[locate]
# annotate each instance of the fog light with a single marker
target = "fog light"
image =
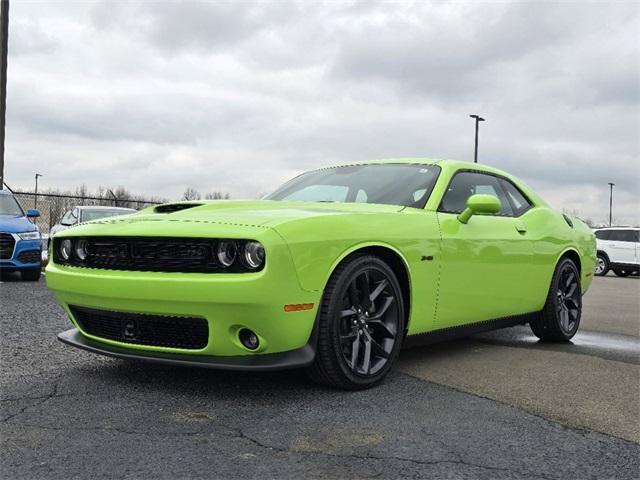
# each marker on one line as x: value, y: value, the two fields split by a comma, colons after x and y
x: 248, y: 339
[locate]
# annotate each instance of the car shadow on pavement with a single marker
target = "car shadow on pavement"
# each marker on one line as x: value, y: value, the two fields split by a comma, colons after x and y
x: 200, y: 381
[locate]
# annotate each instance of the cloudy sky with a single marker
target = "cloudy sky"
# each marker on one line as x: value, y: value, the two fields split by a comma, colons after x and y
x: 238, y: 96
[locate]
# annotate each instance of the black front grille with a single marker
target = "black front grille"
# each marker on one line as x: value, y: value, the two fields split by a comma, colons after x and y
x: 142, y: 329
x: 30, y: 256
x: 146, y: 254
x: 7, y: 243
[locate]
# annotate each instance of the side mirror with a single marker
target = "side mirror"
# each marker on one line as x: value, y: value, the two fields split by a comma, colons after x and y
x: 480, y: 204
x: 33, y: 213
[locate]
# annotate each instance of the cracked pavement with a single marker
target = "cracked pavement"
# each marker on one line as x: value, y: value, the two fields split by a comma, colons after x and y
x: 70, y: 414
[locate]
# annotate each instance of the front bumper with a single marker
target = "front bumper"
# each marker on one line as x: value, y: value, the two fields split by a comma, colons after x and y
x: 301, y: 357
x: 227, y: 301
x: 27, y: 254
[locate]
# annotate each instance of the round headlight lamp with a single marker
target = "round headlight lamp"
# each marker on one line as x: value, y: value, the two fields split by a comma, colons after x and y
x: 227, y: 252
x: 253, y: 255
x: 81, y: 249
x: 65, y: 249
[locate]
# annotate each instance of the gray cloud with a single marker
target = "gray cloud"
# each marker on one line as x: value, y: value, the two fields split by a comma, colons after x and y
x: 238, y: 96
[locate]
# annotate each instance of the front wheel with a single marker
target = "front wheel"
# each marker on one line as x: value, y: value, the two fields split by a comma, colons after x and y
x: 602, y: 265
x: 560, y: 317
x: 32, y: 275
x: 361, y: 325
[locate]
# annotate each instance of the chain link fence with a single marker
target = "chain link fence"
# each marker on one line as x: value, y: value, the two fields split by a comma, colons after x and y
x: 53, y: 206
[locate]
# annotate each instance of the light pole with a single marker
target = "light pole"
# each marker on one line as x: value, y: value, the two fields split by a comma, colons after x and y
x: 611, y: 185
x: 478, y: 119
x: 35, y: 203
x: 4, y: 42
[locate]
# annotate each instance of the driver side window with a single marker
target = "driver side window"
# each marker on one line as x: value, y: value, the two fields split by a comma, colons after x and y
x: 465, y: 184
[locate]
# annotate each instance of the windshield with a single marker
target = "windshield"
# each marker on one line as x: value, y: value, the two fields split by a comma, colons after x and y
x: 391, y: 183
x: 88, y: 215
x: 9, y: 206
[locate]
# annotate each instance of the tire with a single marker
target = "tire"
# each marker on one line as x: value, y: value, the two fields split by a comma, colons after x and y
x: 359, y: 339
x: 560, y: 317
x: 621, y: 273
x: 602, y: 265
x: 32, y: 275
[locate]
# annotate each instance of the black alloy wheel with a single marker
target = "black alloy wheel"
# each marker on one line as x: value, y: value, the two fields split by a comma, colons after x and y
x: 560, y: 317
x: 569, y: 298
x: 361, y: 325
x: 368, y: 322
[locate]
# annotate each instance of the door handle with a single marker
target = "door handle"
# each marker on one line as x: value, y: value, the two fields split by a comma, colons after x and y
x: 521, y: 228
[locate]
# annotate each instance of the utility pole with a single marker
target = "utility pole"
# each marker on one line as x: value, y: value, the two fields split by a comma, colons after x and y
x: 35, y: 203
x: 478, y: 119
x: 611, y: 185
x: 4, y: 44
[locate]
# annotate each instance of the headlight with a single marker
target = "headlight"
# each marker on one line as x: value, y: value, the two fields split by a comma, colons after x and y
x: 253, y: 255
x: 227, y: 252
x: 29, y: 236
x: 81, y: 249
x: 65, y: 249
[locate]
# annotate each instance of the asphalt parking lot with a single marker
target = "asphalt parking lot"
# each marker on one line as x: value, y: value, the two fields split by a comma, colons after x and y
x: 496, y: 405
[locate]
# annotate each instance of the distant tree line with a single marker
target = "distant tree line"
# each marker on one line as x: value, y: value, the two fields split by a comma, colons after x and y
x: 193, y: 194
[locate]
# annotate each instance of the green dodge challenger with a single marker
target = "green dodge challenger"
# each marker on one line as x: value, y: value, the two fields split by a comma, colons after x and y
x: 334, y: 272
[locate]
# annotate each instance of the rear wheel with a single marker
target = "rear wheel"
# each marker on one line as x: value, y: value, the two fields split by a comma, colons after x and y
x: 361, y: 325
x: 32, y: 275
x: 560, y: 317
x: 621, y: 273
x: 602, y: 265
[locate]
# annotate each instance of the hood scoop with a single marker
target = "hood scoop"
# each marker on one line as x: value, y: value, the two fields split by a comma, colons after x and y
x: 175, y: 207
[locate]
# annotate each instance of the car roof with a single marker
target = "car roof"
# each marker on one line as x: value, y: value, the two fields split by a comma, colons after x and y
x: 453, y: 164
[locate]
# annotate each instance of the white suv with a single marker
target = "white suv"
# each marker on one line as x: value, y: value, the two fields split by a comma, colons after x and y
x: 618, y: 250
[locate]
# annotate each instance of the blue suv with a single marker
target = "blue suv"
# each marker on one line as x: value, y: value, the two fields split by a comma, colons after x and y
x: 20, y: 242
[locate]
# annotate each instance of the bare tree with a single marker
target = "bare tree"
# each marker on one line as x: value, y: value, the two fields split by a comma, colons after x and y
x: 216, y: 196
x: 578, y: 214
x: 191, y: 194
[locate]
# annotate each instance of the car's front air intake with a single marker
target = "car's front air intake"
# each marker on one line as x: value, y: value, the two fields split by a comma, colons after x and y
x: 174, y: 207
x: 142, y: 329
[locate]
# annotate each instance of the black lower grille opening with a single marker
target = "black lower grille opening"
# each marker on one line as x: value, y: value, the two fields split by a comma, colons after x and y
x: 143, y: 329
x: 30, y: 256
x: 7, y: 242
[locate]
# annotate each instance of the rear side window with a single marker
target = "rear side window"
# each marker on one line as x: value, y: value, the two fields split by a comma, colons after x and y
x: 518, y: 201
x: 603, y: 234
x: 623, y: 235
x: 465, y: 184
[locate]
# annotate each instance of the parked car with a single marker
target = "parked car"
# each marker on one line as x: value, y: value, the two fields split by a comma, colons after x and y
x: 334, y: 272
x: 618, y: 250
x: 20, y: 245
x: 81, y: 214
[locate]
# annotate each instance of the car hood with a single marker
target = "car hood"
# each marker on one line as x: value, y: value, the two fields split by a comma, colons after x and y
x: 11, y: 224
x: 268, y: 213
x: 224, y: 217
